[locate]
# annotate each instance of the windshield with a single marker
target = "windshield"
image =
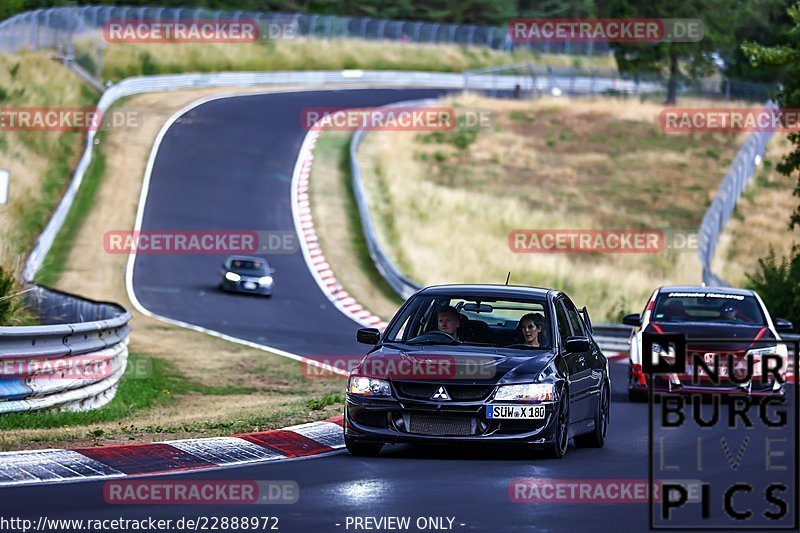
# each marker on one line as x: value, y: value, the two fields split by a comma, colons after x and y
x: 712, y: 307
x: 246, y: 265
x: 453, y: 319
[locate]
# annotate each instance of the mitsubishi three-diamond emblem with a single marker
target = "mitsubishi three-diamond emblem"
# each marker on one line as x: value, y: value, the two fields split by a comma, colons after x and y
x: 440, y: 394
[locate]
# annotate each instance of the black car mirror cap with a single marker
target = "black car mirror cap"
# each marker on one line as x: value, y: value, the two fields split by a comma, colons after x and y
x: 781, y: 324
x: 577, y: 344
x: 634, y: 319
x: 368, y: 335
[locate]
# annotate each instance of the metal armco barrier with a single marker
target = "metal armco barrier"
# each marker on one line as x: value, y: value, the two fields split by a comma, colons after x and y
x: 74, y: 361
x: 742, y: 169
x: 60, y: 26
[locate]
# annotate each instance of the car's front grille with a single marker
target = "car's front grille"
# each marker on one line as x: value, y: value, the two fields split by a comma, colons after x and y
x: 442, y: 425
x: 458, y: 393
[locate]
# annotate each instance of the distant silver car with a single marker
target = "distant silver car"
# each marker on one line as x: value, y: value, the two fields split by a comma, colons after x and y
x: 242, y: 273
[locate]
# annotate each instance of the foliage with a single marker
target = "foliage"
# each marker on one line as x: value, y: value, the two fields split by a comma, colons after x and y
x: 777, y: 280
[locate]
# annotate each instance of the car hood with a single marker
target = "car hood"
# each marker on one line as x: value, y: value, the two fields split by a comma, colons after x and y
x: 468, y: 365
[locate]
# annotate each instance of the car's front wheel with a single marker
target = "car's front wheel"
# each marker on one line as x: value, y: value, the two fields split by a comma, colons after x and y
x: 558, y: 448
x: 597, y: 437
x: 362, y: 449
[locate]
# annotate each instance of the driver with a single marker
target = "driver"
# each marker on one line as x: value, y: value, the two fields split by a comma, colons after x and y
x: 730, y: 311
x: 449, y: 321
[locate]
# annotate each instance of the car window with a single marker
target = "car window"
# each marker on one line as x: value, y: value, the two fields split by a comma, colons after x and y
x: 574, y: 319
x: 482, y: 320
x: 563, y: 323
x: 708, y: 306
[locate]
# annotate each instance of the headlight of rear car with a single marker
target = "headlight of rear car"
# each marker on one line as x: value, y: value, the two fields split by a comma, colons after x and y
x: 538, y: 392
x: 265, y: 280
x: 368, y: 386
x: 779, y: 350
x: 232, y: 276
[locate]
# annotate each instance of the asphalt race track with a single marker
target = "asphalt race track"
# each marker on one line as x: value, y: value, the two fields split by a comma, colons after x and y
x: 227, y: 165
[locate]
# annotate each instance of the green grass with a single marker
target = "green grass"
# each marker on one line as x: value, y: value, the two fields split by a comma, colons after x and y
x: 316, y: 404
x: 336, y: 148
x: 56, y: 259
x: 147, y: 383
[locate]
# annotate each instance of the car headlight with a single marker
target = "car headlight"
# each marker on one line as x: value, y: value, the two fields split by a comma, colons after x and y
x: 369, y: 386
x: 265, y: 280
x: 232, y: 276
x: 539, y: 392
x: 778, y: 349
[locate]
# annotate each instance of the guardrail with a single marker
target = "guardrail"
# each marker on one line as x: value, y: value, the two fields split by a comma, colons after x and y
x: 58, y: 27
x: 736, y: 179
x: 73, y: 361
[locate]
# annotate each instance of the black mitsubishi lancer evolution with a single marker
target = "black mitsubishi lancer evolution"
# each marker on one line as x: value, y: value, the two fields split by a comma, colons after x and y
x: 480, y: 364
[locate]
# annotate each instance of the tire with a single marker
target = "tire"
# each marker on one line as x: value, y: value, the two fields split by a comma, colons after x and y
x: 637, y: 396
x: 558, y: 448
x: 597, y: 437
x: 362, y: 449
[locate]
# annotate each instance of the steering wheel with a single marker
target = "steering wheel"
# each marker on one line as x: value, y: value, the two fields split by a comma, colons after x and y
x: 430, y: 336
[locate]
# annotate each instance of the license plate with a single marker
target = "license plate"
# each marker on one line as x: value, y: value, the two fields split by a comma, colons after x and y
x: 515, y: 411
x: 249, y: 285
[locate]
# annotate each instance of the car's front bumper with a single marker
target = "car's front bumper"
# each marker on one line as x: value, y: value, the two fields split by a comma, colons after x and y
x: 239, y: 286
x: 674, y: 385
x: 391, y: 420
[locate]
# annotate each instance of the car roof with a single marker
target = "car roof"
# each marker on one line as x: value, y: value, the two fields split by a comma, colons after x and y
x: 494, y: 291
x: 700, y: 288
x: 245, y: 258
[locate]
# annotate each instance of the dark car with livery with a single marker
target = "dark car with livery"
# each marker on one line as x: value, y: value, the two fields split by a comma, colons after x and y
x: 726, y: 330
x: 488, y: 382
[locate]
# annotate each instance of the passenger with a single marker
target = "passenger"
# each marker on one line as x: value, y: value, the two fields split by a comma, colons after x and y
x: 531, y: 326
x: 449, y: 321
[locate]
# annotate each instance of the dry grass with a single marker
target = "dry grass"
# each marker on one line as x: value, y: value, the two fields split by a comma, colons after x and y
x: 39, y: 161
x: 279, y: 388
x: 444, y: 213
x: 761, y: 219
x: 338, y: 226
x: 121, y: 60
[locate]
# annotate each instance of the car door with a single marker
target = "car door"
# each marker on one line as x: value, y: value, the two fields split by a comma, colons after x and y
x: 579, y: 375
x: 594, y: 366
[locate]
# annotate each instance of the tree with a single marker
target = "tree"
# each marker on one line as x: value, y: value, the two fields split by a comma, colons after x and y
x: 777, y: 281
x: 787, y: 56
x: 675, y: 59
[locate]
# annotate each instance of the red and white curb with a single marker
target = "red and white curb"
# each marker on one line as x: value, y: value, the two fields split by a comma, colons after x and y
x: 53, y: 466
x: 315, y: 259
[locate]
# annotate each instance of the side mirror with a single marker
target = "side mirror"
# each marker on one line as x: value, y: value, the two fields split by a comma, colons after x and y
x: 368, y: 335
x: 271, y: 271
x: 632, y: 320
x: 577, y: 344
x: 781, y: 324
